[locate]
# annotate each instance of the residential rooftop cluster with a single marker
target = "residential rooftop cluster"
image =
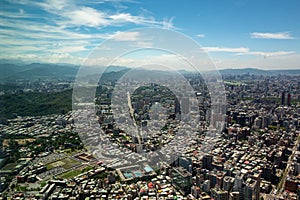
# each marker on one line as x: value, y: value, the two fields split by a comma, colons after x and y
x: 255, y: 156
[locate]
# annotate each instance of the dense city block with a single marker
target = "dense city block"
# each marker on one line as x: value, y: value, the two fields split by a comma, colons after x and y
x: 255, y: 156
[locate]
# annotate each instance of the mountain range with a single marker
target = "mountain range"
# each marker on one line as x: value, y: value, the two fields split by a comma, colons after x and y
x: 11, y: 72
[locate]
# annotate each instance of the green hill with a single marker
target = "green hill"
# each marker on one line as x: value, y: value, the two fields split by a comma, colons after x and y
x: 35, y: 104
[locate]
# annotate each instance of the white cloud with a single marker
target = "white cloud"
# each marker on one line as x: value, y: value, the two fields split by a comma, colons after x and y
x: 200, y: 35
x: 246, y: 51
x: 279, y: 35
x: 71, y: 14
x: 45, y: 58
x: 85, y: 16
x: 75, y: 26
x: 69, y: 49
x: 226, y: 49
x: 18, y: 49
x: 40, y: 31
x: 53, y: 5
x: 57, y: 36
x: 127, y: 17
x: 268, y: 54
x: 126, y: 36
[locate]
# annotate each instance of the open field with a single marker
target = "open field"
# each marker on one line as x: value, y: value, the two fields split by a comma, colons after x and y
x: 65, y: 163
x: 73, y: 173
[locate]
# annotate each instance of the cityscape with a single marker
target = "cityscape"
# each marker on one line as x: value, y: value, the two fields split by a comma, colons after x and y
x: 255, y: 156
x: 135, y: 99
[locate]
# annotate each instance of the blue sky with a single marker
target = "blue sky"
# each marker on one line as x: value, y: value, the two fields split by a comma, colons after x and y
x: 235, y: 34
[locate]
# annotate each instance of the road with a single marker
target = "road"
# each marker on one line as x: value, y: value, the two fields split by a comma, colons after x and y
x: 131, y: 110
x: 288, y: 168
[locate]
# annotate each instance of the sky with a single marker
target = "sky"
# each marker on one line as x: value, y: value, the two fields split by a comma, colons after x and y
x: 234, y: 33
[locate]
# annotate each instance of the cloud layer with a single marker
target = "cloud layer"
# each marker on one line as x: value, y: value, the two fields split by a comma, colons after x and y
x: 67, y: 31
x: 278, y: 36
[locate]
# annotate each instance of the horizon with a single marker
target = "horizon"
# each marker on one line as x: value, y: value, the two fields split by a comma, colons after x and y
x: 22, y: 63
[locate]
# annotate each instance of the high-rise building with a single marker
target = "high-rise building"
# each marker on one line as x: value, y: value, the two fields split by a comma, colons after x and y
x: 219, y: 194
x: 206, y: 186
x: 289, y: 99
x: 238, y: 184
x: 251, y: 190
x: 207, y: 162
x: 257, y: 178
x: 185, y: 163
x: 199, y: 179
x: 185, y: 109
x: 228, y: 183
x: 219, y: 178
x: 196, y: 191
x: 182, y: 179
x: 213, y: 179
x: 268, y: 172
x: 234, y: 196
x: 282, y: 98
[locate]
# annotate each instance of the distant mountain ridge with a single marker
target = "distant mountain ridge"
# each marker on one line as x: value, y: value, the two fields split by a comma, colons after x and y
x: 244, y: 71
x: 259, y: 71
x: 11, y: 72
x: 34, y: 71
